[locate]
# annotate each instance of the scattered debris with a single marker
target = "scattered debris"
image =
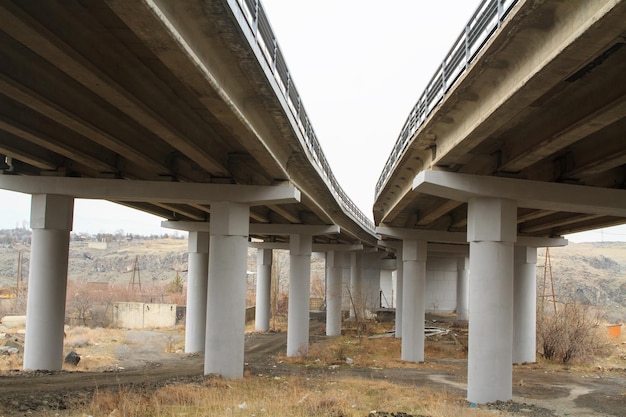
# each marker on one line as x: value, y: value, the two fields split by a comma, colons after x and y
x: 435, y: 331
x: 72, y: 358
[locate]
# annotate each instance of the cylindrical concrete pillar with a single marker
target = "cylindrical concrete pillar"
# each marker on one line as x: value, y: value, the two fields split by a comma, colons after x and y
x: 197, y: 281
x: 263, y: 289
x: 226, y: 294
x: 524, y: 305
x: 371, y: 282
x: 414, y: 254
x: 387, y: 298
x: 491, y: 233
x: 399, y: 293
x: 333, y: 294
x: 51, y: 222
x: 357, y: 309
x: 462, y: 290
x: 299, y: 294
x: 346, y: 272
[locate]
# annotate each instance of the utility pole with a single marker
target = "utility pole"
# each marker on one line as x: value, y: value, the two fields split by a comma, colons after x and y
x: 132, y: 283
x: 548, y: 266
x: 18, y: 280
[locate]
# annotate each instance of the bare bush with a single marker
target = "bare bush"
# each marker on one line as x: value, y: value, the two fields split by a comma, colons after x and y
x: 571, y: 332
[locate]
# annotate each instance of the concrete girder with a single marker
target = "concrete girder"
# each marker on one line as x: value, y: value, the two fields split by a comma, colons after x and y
x: 185, y: 211
x: 290, y: 217
x: 55, y: 50
x: 317, y: 247
x: 525, y: 193
x: 555, y: 221
x: 262, y: 229
x: 41, y: 139
x: 33, y: 155
x: 420, y: 234
x: 177, y: 35
x: 151, y: 191
x: 438, y: 212
x: 574, y: 130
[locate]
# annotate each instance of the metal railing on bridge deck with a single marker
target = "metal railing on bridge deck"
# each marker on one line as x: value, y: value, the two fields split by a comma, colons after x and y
x: 255, y: 19
x: 483, y: 24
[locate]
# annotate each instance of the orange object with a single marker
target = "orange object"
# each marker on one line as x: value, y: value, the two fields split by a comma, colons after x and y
x: 615, y: 331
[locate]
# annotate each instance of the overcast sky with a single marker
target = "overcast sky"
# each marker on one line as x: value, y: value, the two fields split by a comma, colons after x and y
x: 359, y: 66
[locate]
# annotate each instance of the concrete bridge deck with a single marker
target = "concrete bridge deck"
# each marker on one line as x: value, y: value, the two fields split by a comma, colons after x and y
x: 543, y: 100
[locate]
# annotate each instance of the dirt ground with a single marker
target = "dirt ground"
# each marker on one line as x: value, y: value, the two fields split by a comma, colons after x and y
x: 539, y: 390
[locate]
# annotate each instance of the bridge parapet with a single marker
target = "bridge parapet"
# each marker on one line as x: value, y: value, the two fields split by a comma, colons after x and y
x: 254, y: 22
x: 479, y: 29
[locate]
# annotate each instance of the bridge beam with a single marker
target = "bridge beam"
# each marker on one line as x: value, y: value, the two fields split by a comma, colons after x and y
x: 525, y: 193
x: 151, y: 191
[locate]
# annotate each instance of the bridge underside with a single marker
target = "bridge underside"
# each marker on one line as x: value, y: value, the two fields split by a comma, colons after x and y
x: 545, y: 101
x: 122, y: 90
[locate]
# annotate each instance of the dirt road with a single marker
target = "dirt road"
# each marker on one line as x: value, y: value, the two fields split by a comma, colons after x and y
x: 537, y: 392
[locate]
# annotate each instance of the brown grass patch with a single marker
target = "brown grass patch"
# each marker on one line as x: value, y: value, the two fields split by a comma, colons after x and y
x: 95, y: 346
x: 381, y: 352
x: 274, y: 396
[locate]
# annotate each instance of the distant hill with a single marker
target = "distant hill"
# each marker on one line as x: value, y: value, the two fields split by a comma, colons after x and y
x: 592, y: 273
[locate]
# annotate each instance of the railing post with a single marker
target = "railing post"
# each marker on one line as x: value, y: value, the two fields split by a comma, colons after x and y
x: 274, y: 57
x: 443, y: 77
x: 256, y: 19
x: 467, y: 47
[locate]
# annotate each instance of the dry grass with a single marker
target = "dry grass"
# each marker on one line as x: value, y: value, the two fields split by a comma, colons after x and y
x: 95, y: 346
x: 10, y: 362
x: 382, y: 352
x: 273, y: 396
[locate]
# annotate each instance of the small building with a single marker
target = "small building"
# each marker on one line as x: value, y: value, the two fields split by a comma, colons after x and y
x: 132, y: 315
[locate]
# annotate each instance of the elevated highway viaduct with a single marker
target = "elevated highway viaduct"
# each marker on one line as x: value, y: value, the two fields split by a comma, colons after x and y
x: 518, y: 140
x: 185, y: 110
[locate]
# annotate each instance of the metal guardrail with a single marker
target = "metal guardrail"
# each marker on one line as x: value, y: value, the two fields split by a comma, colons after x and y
x: 483, y: 24
x: 257, y: 22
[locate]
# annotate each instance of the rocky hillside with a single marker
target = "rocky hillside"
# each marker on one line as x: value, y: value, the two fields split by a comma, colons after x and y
x: 593, y: 273
x: 590, y: 273
x: 112, y: 260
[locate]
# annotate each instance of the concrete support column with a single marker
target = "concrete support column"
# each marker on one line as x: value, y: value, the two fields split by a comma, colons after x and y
x: 356, y: 285
x: 491, y: 231
x: 333, y: 294
x: 524, y: 305
x: 226, y: 296
x: 197, y: 282
x: 371, y: 281
x: 346, y: 273
x: 386, y: 288
x: 414, y: 253
x: 299, y: 294
x: 51, y: 221
x: 263, y: 289
x: 462, y: 290
x: 399, y: 293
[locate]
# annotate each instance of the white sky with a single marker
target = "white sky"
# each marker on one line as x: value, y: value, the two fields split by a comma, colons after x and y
x: 359, y: 66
